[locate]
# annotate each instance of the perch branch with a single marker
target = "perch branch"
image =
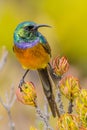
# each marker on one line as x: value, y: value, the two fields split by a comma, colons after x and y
x: 44, y: 118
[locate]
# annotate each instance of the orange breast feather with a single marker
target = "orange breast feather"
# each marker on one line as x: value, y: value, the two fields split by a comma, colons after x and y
x: 32, y: 58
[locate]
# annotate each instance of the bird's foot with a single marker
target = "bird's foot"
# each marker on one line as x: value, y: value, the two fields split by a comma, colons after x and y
x: 52, y: 73
x: 21, y: 83
x: 22, y: 80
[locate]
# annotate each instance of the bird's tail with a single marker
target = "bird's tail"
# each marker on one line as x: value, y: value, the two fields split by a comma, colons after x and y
x: 47, y: 87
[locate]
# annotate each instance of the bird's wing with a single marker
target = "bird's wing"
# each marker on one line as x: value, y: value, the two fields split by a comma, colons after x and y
x: 47, y: 48
x: 44, y: 43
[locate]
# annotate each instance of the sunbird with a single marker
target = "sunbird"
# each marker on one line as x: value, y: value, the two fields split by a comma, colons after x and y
x: 33, y: 52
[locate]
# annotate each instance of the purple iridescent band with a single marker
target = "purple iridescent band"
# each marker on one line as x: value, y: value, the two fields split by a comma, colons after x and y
x: 24, y: 45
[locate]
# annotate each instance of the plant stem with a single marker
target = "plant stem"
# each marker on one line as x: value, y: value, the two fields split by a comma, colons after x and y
x: 59, y: 101
x: 70, y: 108
x: 44, y: 118
x: 11, y: 123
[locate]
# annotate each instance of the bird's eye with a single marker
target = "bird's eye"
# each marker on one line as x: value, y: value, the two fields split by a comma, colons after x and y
x: 29, y: 27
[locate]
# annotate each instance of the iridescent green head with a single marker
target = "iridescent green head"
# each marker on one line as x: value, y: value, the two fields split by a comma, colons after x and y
x: 26, y: 35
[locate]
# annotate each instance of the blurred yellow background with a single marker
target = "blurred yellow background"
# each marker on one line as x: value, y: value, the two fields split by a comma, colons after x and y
x: 68, y: 35
x: 68, y: 19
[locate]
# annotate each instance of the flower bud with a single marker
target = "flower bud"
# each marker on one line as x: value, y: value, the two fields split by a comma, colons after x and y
x: 70, y: 87
x: 81, y: 106
x: 26, y: 94
x: 60, y: 66
x: 68, y: 122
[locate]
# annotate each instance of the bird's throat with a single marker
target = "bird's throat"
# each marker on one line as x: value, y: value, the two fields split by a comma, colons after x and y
x: 25, y: 45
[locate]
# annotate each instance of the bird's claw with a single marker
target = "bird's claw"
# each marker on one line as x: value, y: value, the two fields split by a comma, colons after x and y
x: 21, y: 83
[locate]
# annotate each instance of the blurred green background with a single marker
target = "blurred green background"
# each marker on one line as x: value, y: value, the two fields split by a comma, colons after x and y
x: 68, y: 35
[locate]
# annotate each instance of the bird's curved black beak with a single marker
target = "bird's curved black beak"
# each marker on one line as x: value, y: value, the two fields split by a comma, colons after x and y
x: 41, y: 25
